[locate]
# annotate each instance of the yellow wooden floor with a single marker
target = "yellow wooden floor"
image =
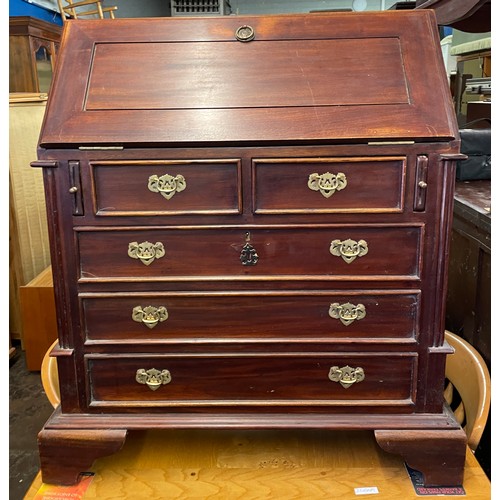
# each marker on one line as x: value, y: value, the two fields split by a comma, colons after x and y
x: 207, y: 464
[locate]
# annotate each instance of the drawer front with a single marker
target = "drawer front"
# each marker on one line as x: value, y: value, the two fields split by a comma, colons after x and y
x: 271, y: 380
x: 209, y: 317
x: 167, y: 187
x: 281, y: 252
x: 329, y: 185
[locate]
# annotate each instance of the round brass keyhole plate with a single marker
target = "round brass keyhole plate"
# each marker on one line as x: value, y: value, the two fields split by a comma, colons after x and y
x: 245, y: 34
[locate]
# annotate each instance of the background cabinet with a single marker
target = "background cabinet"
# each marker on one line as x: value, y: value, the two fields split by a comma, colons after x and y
x: 468, y: 304
x: 33, y: 46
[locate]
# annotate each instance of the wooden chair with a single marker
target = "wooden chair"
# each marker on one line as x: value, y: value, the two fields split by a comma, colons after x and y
x: 73, y: 10
x: 50, y: 377
x: 467, y: 372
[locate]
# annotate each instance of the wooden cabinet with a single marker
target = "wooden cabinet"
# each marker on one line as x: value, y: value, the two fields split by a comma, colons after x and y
x: 468, y: 301
x: 33, y: 46
x: 38, y: 318
x: 253, y: 233
x: 468, y: 306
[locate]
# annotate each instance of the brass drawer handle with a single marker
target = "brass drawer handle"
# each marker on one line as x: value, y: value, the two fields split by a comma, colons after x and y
x: 146, y: 252
x: 347, y: 313
x: 167, y: 185
x: 327, y: 183
x: 153, y: 378
x: 349, y: 249
x: 149, y: 315
x: 346, y: 376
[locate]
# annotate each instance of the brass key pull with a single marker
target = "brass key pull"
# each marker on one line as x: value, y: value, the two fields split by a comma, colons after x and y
x: 149, y: 315
x: 347, y: 313
x: 153, y: 378
x: 349, y: 249
x: 346, y: 376
x: 245, y: 34
x: 327, y: 183
x: 167, y: 185
x: 146, y: 252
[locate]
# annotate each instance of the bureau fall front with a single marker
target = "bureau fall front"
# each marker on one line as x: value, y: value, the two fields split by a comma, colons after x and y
x: 249, y: 222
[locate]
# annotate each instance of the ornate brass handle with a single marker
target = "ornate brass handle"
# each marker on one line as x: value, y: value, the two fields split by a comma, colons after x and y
x: 153, y: 378
x: 167, y: 185
x: 146, y: 252
x: 327, y: 183
x: 346, y: 376
x: 149, y: 315
x: 347, y: 313
x: 349, y: 249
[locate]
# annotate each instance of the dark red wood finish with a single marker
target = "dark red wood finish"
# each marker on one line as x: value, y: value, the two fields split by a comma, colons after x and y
x: 165, y: 107
x: 213, y: 317
x: 65, y: 454
x: 246, y: 125
x: 252, y: 379
x: 121, y: 188
x: 280, y: 185
x: 214, y: 253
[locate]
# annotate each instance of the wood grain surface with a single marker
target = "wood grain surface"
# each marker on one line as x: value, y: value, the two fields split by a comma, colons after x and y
x: 257, y: 465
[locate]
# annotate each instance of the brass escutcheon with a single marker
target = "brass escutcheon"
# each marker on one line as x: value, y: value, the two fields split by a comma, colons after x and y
x: 349, y: 249
x: 327, y: 183
x: 146, y: 251
x: 248, y: 255
x: 167, y: 185
x: 347, y: 313
x: 153, y: 378
x: 346, y: 376
x: 149, y: 315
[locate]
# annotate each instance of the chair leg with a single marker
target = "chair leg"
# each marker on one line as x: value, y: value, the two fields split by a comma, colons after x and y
x: 99, y: 9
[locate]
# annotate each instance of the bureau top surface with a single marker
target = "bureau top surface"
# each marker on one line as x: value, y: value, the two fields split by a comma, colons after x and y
x: 336, y: 77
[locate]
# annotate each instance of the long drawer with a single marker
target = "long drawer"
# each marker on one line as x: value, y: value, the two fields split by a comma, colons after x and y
x: 281, y: 252
x: 272, y: 379
x: 210, y: 317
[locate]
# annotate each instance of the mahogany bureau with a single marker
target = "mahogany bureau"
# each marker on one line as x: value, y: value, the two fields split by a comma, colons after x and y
x: 249, y: 220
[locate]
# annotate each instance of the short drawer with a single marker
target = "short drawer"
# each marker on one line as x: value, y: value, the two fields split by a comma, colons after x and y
x: 209, y: 317
x: 272, y: 379
x: 168, y: 187
x: 281, y: 252
x: 329, y: 185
